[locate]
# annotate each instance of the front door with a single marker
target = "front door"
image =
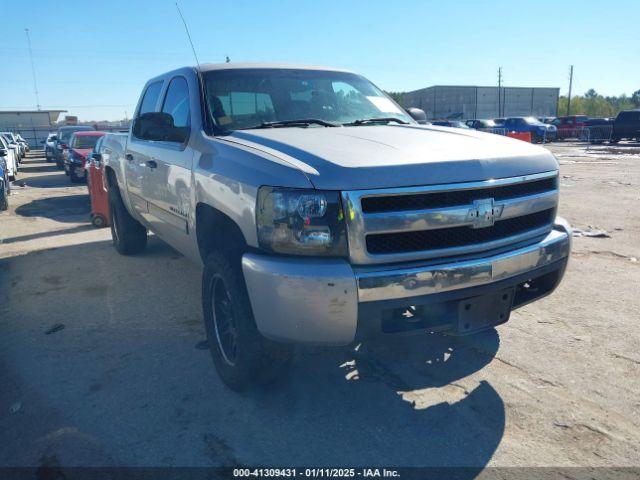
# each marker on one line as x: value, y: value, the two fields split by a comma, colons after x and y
x: 167, y: 174
x: 138, y: 154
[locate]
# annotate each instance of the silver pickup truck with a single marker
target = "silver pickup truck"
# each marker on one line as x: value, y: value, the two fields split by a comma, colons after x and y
x: 323, y: 213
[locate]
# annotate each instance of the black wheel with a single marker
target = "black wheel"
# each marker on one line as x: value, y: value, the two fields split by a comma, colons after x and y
x: 98, y: 221
x: 74, y: 178
x: 241, y: 355
x: 129, y: 236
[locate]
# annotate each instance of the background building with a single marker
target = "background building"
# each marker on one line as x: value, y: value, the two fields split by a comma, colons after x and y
x: 483, y: 102
x: 33, y: 125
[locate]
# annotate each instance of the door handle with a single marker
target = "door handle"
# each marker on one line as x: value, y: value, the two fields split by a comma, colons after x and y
x: 129, y: 157
x: 152, y: 163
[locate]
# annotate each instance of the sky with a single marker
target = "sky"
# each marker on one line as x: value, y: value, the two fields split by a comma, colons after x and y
x: 93, y: 58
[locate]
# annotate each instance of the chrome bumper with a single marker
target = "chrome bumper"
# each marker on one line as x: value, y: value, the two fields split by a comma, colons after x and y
x: 311, y: 300
x: 403, y: 283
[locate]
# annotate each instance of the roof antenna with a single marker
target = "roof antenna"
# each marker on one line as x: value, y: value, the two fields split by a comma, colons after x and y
x: 188, y: 35
x: 203, y: 91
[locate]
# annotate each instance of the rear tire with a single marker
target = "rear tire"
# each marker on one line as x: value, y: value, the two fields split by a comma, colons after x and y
x: 129, y: 236
x: 241, y: 355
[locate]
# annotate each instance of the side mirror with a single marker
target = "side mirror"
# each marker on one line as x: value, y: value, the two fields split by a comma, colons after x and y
x: 418, y: 115
x: 159, y: 126
x: 3, y: 152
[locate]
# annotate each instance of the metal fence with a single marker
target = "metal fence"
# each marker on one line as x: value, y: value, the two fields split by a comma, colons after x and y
x: 593, y: 133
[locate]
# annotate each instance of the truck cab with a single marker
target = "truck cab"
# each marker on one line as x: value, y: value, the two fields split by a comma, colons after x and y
x: 322, y: 213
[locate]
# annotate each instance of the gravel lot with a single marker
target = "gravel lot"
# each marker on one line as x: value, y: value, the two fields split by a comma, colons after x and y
x: 127, y: 381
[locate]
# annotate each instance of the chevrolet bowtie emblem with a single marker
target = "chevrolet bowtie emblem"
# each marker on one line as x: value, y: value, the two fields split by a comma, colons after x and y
x: 484, y: 213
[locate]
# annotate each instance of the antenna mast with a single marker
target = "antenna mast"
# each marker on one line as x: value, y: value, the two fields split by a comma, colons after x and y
x: 203, y: 91
x: 33, y: 70
x: 184, y: 22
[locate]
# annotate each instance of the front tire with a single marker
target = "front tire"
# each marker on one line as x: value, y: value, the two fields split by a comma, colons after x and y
x: 241, y: 355
x: 129, y: 236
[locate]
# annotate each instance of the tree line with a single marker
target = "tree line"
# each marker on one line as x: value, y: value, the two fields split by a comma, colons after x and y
x: 593, y: 104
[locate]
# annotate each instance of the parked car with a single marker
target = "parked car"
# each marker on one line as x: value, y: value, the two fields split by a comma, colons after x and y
x: 325, y: 217
x: 546, y: 119
x: 4, y: 187
x: 449, y: 123
x: 540, y: 132
x: 49, y: 146
x: 24, y: 143
x: 485, y: 125
x: 80, y: 145
x: 98, y: 193
x: 14, y: 144
x: 5, y: 183
x: 626, y: 126
x: 570, y: 126
x: 11, y: 157
x: 62, y: 142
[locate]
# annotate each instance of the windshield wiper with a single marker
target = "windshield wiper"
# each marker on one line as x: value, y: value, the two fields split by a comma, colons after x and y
x: 368, y: 121
x: 304, y: 122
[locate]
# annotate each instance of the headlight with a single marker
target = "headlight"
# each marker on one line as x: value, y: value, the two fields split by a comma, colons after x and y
x: 301, y: 222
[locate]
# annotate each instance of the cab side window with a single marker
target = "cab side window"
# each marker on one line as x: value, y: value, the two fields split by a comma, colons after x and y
x: 150, y: 98
x: 176, y: 102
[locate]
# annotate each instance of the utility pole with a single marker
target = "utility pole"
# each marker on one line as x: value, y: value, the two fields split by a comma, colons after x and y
x: 570, y: 85
x: 33, y: 69
x: 499, y: 94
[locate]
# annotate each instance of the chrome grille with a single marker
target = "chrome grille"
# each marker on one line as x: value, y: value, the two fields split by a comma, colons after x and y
x: 415, y: 223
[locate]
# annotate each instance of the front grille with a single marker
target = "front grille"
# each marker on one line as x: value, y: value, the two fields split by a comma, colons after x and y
x: 420, y: 201
x: 402, y: 242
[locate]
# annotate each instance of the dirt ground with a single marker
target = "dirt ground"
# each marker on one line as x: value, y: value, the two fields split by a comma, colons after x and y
x: 128, y: 380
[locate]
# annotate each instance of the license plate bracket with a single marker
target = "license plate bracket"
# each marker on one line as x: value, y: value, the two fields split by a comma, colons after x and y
x: 479, y: 313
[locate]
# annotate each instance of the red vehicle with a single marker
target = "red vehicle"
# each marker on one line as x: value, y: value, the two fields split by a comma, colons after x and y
x: 570, y: 126
x: 98, y: 193
x: 80, y: 146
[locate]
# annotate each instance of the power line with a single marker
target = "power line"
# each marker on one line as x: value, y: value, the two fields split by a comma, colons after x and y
x: 33, y: 69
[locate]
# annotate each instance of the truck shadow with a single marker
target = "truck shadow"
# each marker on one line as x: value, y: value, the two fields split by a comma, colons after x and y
x: 65, y: 208
x: 130, y: 345
x: 54, y: 180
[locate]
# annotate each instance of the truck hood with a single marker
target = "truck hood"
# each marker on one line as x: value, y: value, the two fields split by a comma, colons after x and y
x: 350, y: 158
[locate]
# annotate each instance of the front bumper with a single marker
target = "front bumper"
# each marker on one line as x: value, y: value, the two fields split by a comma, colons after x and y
x: 329, y: 302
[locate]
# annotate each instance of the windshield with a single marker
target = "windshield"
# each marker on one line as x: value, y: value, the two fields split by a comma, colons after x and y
x: 533, y: 121
x: 246, y: 98
x: 85, y: 141
x: 65, y: 134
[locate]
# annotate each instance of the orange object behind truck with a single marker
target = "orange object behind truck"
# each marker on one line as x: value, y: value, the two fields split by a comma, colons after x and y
x: 100, y: 215
x: 524, y: 136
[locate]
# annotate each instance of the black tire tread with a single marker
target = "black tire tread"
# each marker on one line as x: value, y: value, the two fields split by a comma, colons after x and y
x: 132, y: 235
x: 262, y: 361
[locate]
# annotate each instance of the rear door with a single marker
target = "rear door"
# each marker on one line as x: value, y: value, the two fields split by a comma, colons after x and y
x: 138, y: 153
x: 167, y: 176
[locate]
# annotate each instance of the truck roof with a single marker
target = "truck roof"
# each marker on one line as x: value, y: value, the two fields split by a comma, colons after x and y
x: 206, y: 67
